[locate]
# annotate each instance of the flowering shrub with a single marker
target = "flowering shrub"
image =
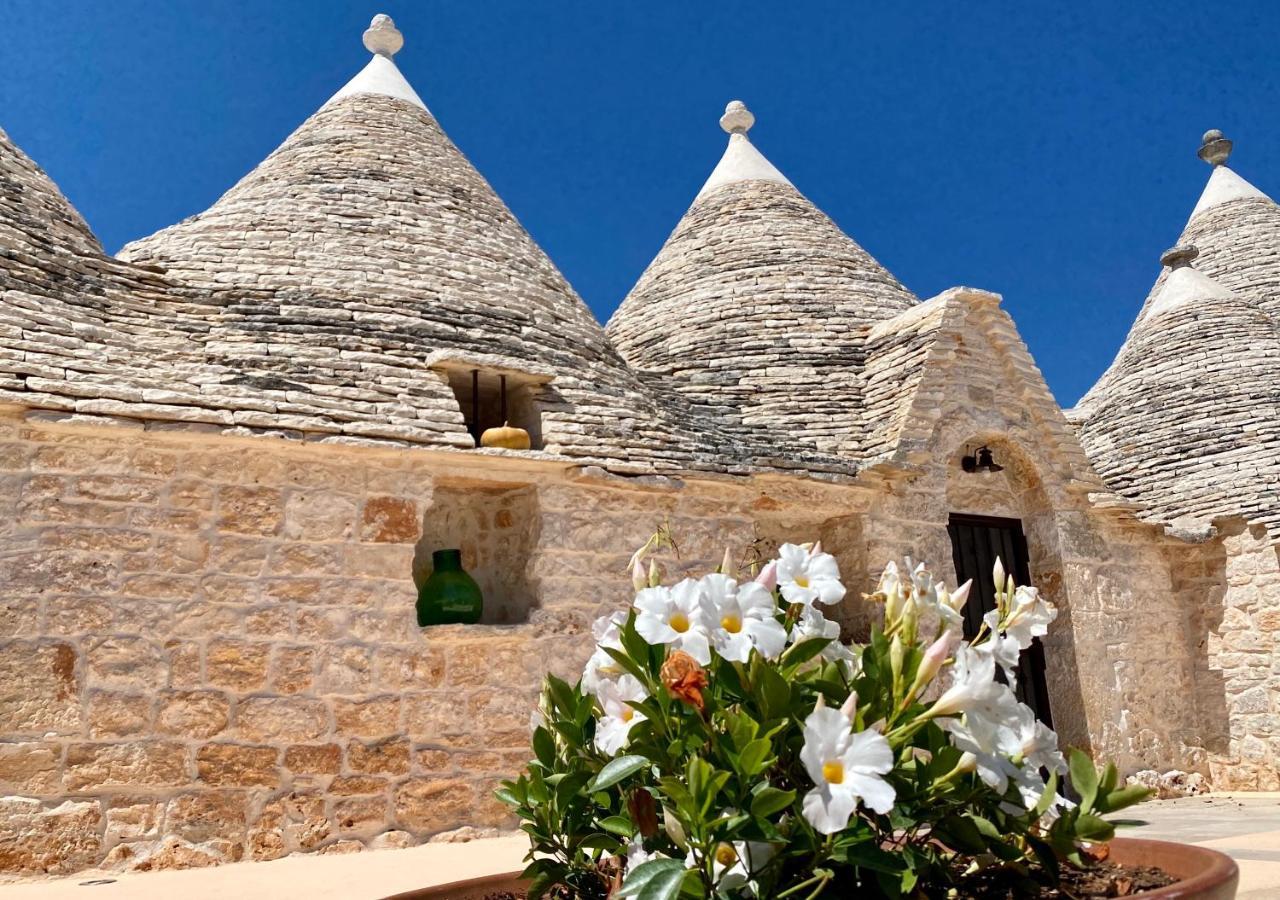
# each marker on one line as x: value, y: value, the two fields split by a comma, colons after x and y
x: 723, y: 742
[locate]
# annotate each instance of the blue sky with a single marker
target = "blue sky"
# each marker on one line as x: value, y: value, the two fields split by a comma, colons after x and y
x: 1043, y: 150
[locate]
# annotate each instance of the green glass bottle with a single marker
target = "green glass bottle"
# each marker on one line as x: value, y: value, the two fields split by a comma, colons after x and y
x: 449, y: 596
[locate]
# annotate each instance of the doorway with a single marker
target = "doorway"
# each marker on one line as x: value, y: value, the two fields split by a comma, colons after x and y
x: 976, y: 542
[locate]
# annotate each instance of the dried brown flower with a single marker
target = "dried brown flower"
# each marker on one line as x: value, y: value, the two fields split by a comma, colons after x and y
x: 684, y: 678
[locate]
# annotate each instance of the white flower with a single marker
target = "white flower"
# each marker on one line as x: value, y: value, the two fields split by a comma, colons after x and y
x: 742, y: 617
x: 845, y: 768
x: 808, y: 576
x: 813, y: 624
x: 974, y: 689
x: 614, y: 727
x: 675, y: 616
x: 1036, y: 742
x: 949, y: 605
x: 733, y: 866
x: 986, y: 746
x: 1004, y: 650
x: 601, y: 666
x: 638, y: 856
x: 1029, y: 617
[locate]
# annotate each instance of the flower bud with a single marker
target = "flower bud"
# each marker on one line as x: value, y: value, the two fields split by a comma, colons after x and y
x: 817, y: 548
x: 726, y: 565
x: 997, y: 574
x: 674, y: 829
x: 932, y: 661
x: 958, y: 599
x: 768, y: 576
x: 638, y: 579
x: 850, y: 706
x: 655, y: 576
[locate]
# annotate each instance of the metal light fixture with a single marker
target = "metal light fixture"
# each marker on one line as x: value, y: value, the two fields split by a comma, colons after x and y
x: 981, y: 461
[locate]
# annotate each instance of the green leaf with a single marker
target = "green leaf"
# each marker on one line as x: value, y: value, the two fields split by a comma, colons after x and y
x: 1084, y: 778
x: 1091, y: 828
x: 960, y: 833
x: 618, y: 825
x: 754, y: 757
x: 544, y: 747
x: 1125, y: 797
x: 774, y: 692
x: 799, y: 654
x: 617, y: 770
x: 1046, y: 799
x: 658, y: 879
x: 770, y: 800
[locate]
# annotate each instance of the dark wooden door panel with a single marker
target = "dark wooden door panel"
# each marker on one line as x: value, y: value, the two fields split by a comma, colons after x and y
x: 976, y: 542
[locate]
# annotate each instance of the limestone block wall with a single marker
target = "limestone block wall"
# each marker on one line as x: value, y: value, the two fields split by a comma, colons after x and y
x: 1119, y: 661
x: 208, y: 649
x: 1237, y: 578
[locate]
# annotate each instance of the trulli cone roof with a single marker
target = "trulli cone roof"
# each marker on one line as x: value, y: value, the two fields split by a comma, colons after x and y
x: 1237, y: 230
x: 758, y: 304
x: 1187, y: 420
x: 32, y: 209
x: 327, y: 295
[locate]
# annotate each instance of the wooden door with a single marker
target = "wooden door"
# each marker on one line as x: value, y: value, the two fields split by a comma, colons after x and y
x: 976, y: 541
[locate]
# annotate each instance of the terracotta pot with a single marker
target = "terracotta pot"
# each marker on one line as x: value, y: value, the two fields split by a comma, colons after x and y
x: 1205, y: 874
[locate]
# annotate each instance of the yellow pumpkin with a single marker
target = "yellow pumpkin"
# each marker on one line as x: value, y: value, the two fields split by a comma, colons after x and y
x: 506, y: 437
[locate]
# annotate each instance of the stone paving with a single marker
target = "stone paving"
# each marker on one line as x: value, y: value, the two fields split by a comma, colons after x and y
x: 1246, y: 826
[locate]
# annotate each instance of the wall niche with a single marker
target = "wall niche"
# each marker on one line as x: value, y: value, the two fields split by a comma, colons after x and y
x: 496, y: 527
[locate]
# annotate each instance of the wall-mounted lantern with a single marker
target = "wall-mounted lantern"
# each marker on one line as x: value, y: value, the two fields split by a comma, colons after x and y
x: 981, y: 461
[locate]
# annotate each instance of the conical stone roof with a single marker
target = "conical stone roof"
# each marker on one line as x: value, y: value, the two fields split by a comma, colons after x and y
x: 33, y: 212
x: 1237, y: 230
x: 1187, y: 419
x: 758, y: 305
x: 332, y: 290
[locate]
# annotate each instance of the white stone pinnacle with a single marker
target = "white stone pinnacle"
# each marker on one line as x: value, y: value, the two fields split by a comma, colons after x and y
x: 737, y: 119
x: 741, y: 160
x: 1214, y: 148
x: 381, y: 76
x: 1185, y: 284
x: 382, y: 37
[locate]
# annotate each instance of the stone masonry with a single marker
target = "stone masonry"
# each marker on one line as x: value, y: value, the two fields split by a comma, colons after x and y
x: 227, y: 455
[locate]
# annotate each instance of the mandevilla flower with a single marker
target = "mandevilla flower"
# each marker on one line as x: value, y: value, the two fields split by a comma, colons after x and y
x: 613, y: 729
x: 742, y: 617
x: 845, y: 768
x: 1029, y: 616
x: 601, y: 666
x: 974, y: 689
x: 813, y: 624
x: 675, y: 616
x: 808, y: 576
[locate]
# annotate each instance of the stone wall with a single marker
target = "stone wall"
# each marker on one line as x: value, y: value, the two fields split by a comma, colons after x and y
x: 209, y: 649
x: 1119, y: 661
x: 1236, y: 578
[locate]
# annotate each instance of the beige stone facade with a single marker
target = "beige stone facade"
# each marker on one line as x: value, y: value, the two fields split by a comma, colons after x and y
x: 227, y: 455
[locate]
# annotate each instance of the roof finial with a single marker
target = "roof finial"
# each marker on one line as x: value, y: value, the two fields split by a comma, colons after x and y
x: 1180, y: 256
x: 382, y: 37
x: 1214, y: 148
x: 737, y: 119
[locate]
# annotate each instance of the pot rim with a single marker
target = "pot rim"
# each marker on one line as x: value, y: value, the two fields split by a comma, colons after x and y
x: 1214, y: 869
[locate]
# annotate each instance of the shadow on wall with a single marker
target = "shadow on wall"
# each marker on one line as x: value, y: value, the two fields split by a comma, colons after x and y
x: 496, y: 528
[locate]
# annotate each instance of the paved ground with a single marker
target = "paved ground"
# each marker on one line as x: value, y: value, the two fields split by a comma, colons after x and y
x: 1247, y: 826
x: 1244, y: 826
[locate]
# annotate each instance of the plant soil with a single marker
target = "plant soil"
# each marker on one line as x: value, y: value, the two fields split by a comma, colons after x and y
x: 1102, y: 882
x: 1105, y: 880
